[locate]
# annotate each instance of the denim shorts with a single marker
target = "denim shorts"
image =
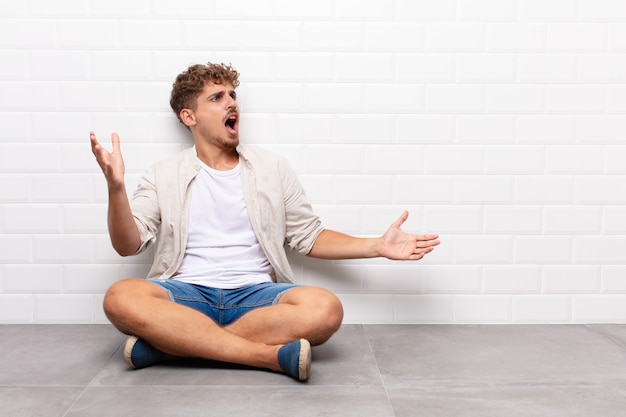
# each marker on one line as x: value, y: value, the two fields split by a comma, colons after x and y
x: 224, y: 306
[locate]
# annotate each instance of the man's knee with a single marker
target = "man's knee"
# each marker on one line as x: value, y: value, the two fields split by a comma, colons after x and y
x: 327, y: 313
x: 115, y: 300
x: 122, y: 300
x: 333, y: 311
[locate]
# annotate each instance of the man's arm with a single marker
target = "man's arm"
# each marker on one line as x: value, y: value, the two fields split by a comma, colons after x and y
x: 123, y: 231
x: 394, y: 244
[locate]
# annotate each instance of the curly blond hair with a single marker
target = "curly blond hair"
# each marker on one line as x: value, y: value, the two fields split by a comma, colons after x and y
x: 190, y: 83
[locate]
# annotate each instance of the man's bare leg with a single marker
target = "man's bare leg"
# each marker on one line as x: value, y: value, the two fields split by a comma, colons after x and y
x: 140, y: 308
x: 310, y: 313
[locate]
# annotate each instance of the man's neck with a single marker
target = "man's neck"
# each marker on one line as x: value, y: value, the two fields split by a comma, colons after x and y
x: 218, y: 159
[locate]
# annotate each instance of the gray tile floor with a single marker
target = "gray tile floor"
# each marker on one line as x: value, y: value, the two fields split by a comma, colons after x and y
x: 365, y: 370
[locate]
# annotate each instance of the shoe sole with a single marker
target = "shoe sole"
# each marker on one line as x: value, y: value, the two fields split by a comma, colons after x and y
x: 128, y: 350
x: 304, y: 364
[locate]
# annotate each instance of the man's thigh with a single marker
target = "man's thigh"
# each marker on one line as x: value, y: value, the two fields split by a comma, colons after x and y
x: 202, y: 299
x: 224, y: 306
x: 241, y: 301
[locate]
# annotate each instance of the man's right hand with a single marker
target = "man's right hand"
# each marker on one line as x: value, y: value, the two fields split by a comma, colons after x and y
x: 123, y: 230
x: 111, y: 163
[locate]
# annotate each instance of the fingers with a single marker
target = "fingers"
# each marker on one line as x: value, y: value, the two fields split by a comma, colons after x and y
x: 427, y: 241
x: 99, y: 151
x: 425, y: 247
x: 422, y: 250
x: 115, y: 141
x: 425, y: 244
x: 103, y: 157
x: 398, y: 223
x: 94, y: 142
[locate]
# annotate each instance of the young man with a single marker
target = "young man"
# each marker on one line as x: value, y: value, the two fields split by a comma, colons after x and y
x: 220, y: 286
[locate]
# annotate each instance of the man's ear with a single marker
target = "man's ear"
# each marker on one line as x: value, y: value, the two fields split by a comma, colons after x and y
x: 187, y: 117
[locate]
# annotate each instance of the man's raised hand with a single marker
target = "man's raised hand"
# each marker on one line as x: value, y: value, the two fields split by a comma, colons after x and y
x: 111, y: 163
x: 397, y: 244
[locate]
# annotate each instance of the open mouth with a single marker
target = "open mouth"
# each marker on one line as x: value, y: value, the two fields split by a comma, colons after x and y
x: 231, y: 124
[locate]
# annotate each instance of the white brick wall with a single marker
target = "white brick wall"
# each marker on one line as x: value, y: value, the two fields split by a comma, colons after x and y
x: 500, y: 124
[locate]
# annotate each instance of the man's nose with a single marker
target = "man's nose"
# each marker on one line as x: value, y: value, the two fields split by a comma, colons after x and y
x: 231, y: 103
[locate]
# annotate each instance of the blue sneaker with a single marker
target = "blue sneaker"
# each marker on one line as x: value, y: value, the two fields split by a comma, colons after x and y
x: 295, y: 359
x: 138, y: 353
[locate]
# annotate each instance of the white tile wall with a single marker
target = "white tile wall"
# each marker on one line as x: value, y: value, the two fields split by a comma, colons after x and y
x: 500, y: 124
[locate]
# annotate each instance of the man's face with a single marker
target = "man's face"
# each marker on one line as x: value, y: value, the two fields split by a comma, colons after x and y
x: 216, y: 117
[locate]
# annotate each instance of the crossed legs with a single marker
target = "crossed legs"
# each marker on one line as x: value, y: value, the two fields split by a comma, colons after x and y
x: 141, y: 308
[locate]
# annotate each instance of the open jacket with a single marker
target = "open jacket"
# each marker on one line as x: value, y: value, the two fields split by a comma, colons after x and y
x: 279, y: 211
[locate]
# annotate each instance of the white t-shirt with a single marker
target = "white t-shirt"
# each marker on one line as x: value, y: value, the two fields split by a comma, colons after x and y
x: 222, y: 250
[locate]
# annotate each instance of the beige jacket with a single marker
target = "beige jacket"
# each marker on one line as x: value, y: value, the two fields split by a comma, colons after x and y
x: 279, y: 211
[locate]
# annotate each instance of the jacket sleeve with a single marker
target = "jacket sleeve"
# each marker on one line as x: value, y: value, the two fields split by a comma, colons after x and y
x: 302, y: 225
x: 145, y: 208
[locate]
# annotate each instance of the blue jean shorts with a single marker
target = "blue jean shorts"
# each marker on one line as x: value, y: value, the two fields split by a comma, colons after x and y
x: 224, y: 306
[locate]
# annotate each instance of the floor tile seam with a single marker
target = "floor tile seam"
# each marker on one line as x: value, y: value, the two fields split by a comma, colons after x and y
x: 371, y: 352
x: 74, y: 401
x: 96, y: 376
x: 380, y: 374
x: 607, y: 336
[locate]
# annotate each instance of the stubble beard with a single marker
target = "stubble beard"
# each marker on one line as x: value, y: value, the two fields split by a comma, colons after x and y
x: 227, y: 142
